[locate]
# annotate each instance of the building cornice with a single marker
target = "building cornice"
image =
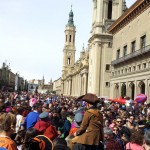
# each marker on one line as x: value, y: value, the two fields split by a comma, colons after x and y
x: 139, y: 73
x: 79, y: 71
x: 100, y: 36
x: 135, y: 10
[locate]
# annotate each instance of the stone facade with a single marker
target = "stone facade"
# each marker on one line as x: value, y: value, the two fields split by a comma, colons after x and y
x: 7, y: 78
x: 57, y: 86
x: 39, y: 86
x: 117, y: 61
x: 131, y: 52
x: 105, y: 12
x: 91, y: 72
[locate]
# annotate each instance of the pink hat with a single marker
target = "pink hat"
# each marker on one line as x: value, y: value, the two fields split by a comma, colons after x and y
x: 8, y: 109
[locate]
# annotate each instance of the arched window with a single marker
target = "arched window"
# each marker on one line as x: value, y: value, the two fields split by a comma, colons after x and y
x: 142, y: 87
x: 123, y: 90
x: 132, y: 86
x: 70, y: 38
x: 68, y: 61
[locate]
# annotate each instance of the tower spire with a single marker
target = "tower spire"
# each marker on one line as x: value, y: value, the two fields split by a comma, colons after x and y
x: 83, y: 49
x: 70, y: 21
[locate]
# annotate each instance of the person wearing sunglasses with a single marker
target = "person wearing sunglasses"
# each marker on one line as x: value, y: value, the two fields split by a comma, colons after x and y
x: 117, y: 137
x: 123, y: 130
x: 110, y: 143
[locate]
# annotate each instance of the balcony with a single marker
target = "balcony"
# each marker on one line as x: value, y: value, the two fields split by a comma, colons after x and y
x: 130, y: 56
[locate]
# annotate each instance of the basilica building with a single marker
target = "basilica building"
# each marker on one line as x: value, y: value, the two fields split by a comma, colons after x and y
x: 74, y: 74
x: 117, y: 60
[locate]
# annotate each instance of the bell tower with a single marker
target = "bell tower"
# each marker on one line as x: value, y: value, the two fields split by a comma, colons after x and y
x: 69, y: 47
x: 105, y: 12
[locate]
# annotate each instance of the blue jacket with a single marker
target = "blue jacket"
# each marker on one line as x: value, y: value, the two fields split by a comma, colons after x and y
x: 31, y: 120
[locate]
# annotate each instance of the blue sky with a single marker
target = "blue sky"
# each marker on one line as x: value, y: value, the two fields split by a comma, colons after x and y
x: 32, y: 34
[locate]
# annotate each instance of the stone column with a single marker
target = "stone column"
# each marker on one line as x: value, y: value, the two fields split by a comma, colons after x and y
x: 94, y: 11
x: 148, y: 90
x: 69, y: 86
x: 128, y: 89
x: 76, y: 85
x: 62, y: 87
x: 114, y: 91
x: 79, y: 84
x: 99, y: 14
x: 85, y: 76
x: 72, y: 90
x: 99, y: 17
x: 82, y: 84
x: 115, y: 10
x: 105, y: 9
x: 98, y: 69
x: 119, y: 89
x: 135, y: 90
x: 146, y: 86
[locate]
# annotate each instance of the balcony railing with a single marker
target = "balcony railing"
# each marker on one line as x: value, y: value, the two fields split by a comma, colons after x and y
x: 131, y: 55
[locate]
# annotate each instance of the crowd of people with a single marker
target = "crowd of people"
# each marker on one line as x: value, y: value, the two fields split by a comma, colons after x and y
x: 55, y: 122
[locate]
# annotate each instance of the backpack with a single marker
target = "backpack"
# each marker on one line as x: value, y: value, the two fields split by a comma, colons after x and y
x: 40, y: 142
